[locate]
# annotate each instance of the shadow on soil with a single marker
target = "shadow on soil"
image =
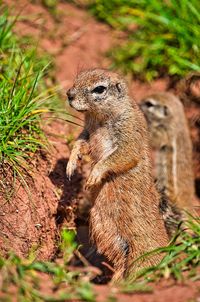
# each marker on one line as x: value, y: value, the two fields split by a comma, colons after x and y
x: 67, y: 190
x: 71, y: 192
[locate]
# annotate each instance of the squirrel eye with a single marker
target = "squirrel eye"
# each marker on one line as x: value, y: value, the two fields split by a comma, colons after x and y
x: 148, y: 104
x: 99, y: 89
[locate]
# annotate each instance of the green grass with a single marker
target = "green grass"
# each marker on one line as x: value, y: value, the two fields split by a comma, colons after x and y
x: 166, y: 41
x: 31, y: 280
x: 24, y: 98
x: 181, y: 258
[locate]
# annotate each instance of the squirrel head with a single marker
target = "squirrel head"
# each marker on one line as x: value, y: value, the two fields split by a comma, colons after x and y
x: 98, y: 92
x: 162, y: 111
x: 156, y: 108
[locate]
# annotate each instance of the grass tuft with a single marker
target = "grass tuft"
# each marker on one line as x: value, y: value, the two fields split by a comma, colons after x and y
x: 23, y: 99
x: 181, y: 258
x: 162, y: 37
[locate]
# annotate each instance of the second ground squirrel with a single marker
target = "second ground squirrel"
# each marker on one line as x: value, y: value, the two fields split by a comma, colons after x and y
x: 125, y: 220
x: 170, y: 139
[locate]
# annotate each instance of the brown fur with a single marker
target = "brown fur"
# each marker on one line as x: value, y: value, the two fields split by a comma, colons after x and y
x: 125, y: 220
x: 170, y: 138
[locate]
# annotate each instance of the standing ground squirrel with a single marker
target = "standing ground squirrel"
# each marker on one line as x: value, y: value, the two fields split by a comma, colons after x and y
x: 125, y: 220
x: 170, y: 139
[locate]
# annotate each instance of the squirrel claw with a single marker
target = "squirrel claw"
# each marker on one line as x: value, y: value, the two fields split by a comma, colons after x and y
x: 71, y: 167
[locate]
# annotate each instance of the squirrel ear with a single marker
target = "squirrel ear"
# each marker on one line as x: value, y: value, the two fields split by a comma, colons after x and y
x: 166, y: 111
x: 119, y: 87
x: 161, y: 112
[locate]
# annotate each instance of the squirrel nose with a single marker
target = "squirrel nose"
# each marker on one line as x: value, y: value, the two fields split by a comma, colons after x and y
x: 70, y: 95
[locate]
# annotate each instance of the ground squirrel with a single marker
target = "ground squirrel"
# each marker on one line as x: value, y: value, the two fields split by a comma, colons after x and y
x: 170, y: 139
x: 125, y: 220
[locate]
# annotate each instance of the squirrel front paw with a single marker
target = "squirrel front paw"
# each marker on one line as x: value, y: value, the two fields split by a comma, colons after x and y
x: 72, y: 164
x: 95, y: 178
x: 71, y: 167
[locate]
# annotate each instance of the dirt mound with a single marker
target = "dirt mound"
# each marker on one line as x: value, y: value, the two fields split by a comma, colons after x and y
x: 32, y: 214
x: 28, y: 218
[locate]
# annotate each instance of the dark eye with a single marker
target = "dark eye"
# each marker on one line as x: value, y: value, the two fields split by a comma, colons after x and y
x: 99, y: 89
x: 148, y: 104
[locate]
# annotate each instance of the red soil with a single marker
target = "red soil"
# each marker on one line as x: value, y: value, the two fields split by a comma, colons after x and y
x: 165, y: 291
x: 75, y: 41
